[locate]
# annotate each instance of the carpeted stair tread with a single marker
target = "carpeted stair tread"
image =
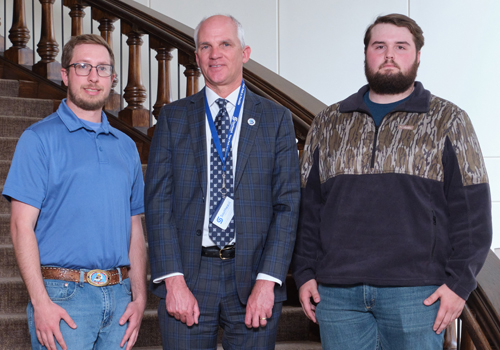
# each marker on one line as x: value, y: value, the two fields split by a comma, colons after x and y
x: 28, y: 107
x: 8, y: 261
x: 13, y: 295
x: 13, y: 126
x: 15, y: 334
x: 9, y: 88
x: 5, y: 229
x: 4, y: 170
x: 4, y: 203
x: 7, y: 147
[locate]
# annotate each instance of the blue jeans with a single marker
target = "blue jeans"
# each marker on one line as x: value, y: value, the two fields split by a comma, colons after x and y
x: 95, y: 310
x: 364, y: 317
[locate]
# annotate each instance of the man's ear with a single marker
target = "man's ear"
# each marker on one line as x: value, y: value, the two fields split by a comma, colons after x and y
x: 64, y: 76
x: 246, y: 54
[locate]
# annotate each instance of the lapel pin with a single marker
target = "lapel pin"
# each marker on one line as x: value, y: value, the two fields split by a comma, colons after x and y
x: 251, y: 122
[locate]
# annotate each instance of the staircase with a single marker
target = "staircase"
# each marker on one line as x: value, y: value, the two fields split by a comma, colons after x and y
x: 295, y: 332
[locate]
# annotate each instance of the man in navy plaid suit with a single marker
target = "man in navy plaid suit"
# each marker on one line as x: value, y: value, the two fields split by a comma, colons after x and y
x: 222, y: 196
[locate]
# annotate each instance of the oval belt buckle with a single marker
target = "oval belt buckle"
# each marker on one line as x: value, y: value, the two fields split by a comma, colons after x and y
x: 222, y: 250
x: 98, y: 278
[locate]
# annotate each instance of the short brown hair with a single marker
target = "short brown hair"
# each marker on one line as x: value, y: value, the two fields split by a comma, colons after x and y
x: 398, y: 20
x: 93, y: 39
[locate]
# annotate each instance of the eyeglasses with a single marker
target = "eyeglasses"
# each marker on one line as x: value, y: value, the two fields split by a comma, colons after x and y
x: 83, y: 69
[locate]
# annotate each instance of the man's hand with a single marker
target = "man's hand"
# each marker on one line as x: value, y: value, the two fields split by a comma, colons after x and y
x: 133, y: 314
x: 47, y: 318
x: 307, y: 291
x: 451, y: 307
x: 260, y: 304
x: 180, y: 302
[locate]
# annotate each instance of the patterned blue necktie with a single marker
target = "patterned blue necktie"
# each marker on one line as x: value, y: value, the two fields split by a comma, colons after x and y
x: 222, y: 122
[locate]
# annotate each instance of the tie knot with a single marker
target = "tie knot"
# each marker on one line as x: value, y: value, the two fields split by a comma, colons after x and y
x: 221, y: 103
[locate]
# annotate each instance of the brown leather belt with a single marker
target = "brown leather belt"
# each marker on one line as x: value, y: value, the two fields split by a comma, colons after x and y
x: 214, y: 252
x: 98, y: 278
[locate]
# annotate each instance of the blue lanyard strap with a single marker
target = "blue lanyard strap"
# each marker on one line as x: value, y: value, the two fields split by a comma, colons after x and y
x: 232, y: 127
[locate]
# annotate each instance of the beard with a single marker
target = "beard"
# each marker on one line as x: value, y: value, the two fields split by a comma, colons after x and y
x: 92, y: 104
x: 391, y: 84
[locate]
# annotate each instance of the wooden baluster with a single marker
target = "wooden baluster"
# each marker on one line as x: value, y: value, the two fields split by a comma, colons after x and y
x: 192, y: 72
x: 163, y: 95
x: 77, y: 13
x: 135, y: 92
x: 450, y: 337
x: 19, y: 36
x: 107, y: 28
x: 48, y: 47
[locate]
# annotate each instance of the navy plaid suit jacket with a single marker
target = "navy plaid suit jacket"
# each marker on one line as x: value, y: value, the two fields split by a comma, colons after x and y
x: 266, y: 191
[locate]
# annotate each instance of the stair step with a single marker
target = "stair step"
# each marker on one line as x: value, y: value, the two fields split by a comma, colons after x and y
x: 28, y: 107
x: 9, y: 88
x: 5, y: 228
x: 13, y: 295
x: 8, y: 261
x: 7, y: 147
x: 4, y: 170
x: 4, y: 203
x: 12, y: 126
x: 15, y: 333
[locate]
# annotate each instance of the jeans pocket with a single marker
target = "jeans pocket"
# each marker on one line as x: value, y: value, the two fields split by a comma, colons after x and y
x: 60, y: 290
x: 126, y: 286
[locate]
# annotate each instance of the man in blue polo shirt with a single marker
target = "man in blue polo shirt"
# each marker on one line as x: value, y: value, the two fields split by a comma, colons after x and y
x: 76, y: 189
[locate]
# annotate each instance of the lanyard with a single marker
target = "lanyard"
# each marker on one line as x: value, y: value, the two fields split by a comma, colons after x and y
x: 232, y: 127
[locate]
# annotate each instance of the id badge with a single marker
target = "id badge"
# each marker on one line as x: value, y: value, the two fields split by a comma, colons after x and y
x: 224, y: 213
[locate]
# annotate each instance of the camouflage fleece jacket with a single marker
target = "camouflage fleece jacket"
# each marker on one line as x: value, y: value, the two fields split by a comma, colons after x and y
x: 403, y: 204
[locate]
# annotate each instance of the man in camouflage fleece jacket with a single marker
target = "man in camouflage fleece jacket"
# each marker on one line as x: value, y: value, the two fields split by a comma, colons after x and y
x: 395, y: 216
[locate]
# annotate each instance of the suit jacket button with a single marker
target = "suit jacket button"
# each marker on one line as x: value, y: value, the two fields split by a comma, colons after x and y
x: 198, y: 232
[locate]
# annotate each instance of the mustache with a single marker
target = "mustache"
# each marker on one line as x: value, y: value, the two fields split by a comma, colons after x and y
x: 389, y: 62
x: 93, y: 87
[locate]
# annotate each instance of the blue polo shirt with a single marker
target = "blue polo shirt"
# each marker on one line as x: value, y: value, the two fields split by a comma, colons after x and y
x: 87, y: 185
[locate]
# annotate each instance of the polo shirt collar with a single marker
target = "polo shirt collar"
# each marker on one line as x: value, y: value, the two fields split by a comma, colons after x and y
x: 74, y: 123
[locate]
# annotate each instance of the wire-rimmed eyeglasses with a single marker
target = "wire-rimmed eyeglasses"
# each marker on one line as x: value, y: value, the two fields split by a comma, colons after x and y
x: 83, y: 69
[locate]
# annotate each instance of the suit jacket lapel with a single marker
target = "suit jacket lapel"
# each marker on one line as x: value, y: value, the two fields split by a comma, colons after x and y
x: 252, y: 110
x: 196, y: 120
